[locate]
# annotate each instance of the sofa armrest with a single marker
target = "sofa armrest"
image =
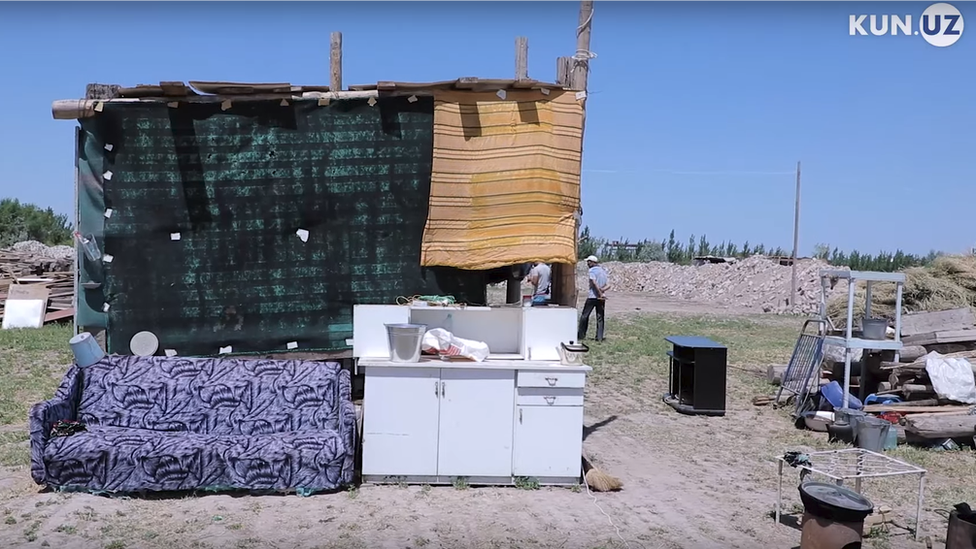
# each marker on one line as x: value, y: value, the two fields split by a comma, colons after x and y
x: 43, y: 415
x: 347, y: 410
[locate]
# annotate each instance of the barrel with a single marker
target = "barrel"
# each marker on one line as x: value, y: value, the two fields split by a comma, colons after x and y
x: 961, y: 534
x: 833, y: 516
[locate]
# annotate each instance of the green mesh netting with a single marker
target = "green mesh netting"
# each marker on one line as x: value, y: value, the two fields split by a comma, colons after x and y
x: 236, y: 186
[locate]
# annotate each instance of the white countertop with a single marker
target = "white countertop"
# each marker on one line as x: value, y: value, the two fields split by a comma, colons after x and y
x: 490, y: 364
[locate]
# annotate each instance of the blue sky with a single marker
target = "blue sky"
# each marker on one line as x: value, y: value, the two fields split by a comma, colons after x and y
x: 697, y: 115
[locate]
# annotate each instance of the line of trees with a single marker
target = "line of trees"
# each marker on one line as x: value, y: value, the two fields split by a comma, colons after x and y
x: 19, y: 222
x: 683, y: 252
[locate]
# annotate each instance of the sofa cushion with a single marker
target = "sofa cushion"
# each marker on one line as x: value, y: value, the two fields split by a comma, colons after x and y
x: 122, y: 459
x: 220, y: 396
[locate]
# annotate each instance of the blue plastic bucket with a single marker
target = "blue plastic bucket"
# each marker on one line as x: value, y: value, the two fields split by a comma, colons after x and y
x: 85, y: 349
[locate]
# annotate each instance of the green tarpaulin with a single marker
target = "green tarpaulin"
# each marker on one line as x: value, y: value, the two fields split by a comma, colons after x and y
x: 206, y: 207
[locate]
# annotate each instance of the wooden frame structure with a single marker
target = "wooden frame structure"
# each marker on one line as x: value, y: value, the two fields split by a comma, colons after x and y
x: 571, y: 74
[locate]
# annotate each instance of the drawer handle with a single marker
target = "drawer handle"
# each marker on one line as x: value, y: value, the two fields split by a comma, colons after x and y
x: 550, y: 400
x: 552, y: 381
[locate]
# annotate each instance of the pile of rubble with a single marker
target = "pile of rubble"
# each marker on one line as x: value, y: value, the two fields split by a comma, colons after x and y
x: 755, y: 282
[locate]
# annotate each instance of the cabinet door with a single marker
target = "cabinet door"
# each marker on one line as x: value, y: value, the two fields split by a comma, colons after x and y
x: 548, y: 441
x: 477, y: 409
x: 545, y: 328
x: 400, y: 421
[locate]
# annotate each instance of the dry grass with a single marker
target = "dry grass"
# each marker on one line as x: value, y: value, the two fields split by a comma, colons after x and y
x: 949, y: 282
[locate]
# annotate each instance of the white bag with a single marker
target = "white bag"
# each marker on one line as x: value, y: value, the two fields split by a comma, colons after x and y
x: 442, y: 342
x: 952, y: 378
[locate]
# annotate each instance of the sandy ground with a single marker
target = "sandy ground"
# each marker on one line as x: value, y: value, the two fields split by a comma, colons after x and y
x: 690, y: 482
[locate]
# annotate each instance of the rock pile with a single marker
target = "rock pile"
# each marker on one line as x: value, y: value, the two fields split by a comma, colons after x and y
x: 755, y: 282
x: 33, y: 248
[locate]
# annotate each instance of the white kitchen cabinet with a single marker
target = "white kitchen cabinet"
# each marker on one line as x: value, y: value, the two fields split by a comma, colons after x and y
x: 488, y: 423
x: 402, y: 422
x: 548, y: 441
x: 475, y: 435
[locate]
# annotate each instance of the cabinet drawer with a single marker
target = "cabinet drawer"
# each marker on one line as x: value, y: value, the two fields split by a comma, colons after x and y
x: 551, y: 378
x: 547, y: 396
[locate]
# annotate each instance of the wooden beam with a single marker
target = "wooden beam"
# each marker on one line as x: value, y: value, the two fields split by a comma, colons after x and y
x: 521, y: 58
x: 564, y: 70
x: 335, y: 64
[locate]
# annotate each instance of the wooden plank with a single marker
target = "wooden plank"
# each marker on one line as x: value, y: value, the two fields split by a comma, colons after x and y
x: 939, y: 321
x: 59, y: 315
x: 335, y: 63
x: 955, y: 336
x: 908, y: 409
x: 521, y: 58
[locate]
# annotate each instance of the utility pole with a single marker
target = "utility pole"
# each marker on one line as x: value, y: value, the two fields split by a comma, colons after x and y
x: 796, y: 235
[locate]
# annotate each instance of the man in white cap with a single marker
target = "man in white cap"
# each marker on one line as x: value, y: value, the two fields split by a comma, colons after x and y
x: 596, y: 299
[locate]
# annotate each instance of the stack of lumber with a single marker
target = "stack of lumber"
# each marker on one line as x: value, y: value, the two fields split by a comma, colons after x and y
x: 55, y: 274
x: 925, y: 415
x: 955, y: 327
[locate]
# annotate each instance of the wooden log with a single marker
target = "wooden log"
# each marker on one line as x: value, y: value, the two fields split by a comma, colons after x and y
x: 335, y: 62
x: 911, y: 353
x: 581, y: 66
x: 102, y: 91
x: 941, y: 425
x: 915, y: 388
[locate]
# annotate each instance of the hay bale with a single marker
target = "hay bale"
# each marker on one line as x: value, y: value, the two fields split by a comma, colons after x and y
x: 948, y: 283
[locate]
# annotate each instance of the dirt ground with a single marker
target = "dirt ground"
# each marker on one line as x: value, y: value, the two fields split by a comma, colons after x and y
x: 689, y: 482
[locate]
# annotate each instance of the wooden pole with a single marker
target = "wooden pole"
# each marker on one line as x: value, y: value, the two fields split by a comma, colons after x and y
x: 796, y: 236
x: 513, y: 293
x: 581, y: 66
x: 521, y: 58
x: 574, y: 72
x: 335, y: 76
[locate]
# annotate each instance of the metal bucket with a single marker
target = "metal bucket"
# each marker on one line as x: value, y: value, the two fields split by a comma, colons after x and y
x: 874, y: 328
x: 405, y: 341
x: 871, y: 433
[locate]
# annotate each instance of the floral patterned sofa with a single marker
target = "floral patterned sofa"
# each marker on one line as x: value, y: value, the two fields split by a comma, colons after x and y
x: 162, y: 424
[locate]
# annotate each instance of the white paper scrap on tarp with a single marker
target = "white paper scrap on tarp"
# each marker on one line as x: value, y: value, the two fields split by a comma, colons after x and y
x: 952, y: 378
x: 170, y: 352
x: 303, y: 234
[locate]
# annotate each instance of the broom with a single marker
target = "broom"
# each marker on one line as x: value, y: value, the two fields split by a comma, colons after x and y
x: 598, y: 480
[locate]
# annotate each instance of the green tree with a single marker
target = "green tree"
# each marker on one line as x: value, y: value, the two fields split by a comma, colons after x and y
x: 19, y: 222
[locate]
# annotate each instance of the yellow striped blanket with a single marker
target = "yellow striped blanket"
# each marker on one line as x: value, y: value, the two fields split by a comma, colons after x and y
x: 505, y: 185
